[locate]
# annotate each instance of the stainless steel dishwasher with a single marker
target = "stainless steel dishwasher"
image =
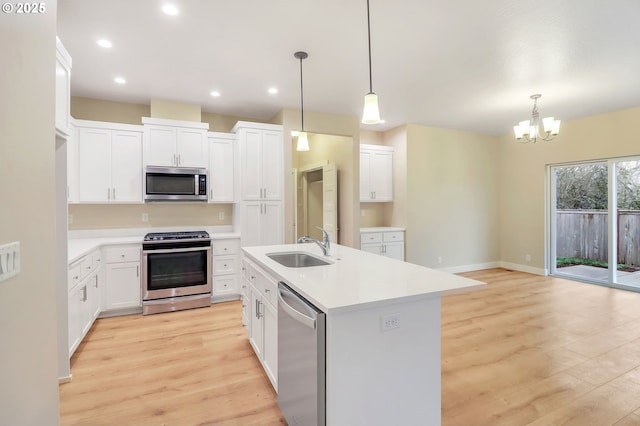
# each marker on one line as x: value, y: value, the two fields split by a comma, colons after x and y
x: 301, y: 359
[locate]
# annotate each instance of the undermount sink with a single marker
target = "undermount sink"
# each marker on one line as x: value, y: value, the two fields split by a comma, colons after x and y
x: 297, y: 259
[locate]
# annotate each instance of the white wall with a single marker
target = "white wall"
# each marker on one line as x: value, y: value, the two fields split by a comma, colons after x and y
x: 28, y: 359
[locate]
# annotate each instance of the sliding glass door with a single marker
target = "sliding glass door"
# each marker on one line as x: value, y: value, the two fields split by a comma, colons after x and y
x: 595, y: 222
x: 627, y: 176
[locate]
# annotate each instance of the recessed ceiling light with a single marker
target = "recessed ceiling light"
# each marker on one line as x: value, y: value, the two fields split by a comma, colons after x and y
x: 272, y: 90
x: 120, y: 80
x: 215, y: 94
x: 170, y: 9
x: 103, y: 42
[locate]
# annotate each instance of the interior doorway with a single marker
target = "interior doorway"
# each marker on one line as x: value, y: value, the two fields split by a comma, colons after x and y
x: 316, y: 194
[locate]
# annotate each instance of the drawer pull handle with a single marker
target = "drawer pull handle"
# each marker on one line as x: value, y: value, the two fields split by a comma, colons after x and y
x: 266, y: 290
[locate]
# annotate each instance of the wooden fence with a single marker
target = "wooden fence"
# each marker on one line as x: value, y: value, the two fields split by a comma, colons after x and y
x: 584, y: 234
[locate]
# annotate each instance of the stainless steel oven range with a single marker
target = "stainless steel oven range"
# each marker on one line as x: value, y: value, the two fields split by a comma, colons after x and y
x: 176, y: 271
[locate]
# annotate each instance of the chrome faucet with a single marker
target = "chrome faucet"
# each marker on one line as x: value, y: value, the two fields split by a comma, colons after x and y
x: 325, y: 245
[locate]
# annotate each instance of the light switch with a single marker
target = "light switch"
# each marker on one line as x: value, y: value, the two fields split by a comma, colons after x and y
x: 9, y: 260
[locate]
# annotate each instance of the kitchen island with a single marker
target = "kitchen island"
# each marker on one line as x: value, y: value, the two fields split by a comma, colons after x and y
x: 382, y: 331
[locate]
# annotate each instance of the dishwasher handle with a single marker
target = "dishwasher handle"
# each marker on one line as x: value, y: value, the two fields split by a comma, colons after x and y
x: 297, y: 315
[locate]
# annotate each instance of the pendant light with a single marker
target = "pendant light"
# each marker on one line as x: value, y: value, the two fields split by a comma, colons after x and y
x: 303, y: 142
x: 371, y: 112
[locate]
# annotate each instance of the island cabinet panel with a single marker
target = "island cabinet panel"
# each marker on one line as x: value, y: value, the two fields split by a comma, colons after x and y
x: 362, y: 360
x: 263, y: 318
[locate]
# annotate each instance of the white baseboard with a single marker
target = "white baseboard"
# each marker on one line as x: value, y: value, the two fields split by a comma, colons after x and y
x: 523, y: 268
x: 497, y: 264
x: 66, y: 379
x: 469, y: 268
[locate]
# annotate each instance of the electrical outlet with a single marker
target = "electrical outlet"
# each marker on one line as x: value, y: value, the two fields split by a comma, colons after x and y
x: 362, y: 212
x: 439, y: 260
x: 527, y: 257
x: 390, y: 322
x: 220, y: 215
x: 145, y: 217
x: 69, y: 219
x: 9, y: 260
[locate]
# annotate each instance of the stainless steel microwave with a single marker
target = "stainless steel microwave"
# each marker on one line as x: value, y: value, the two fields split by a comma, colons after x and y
x: 175, y: 184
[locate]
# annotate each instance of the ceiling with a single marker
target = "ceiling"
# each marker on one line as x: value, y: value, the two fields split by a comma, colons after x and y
x: 459, y: 64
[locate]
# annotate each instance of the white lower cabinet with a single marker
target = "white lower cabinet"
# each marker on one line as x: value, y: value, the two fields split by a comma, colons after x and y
x: 122, y: 277
x: 263, y: 317
x: 85, y: 276
x: 226, y: 260
x: 387, y: 242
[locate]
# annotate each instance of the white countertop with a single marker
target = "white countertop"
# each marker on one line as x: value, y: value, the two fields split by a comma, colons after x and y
x: 357, y: 278
x: 382, y: 229
x: 78, y: 247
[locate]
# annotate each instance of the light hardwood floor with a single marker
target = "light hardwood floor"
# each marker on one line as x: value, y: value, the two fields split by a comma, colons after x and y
x: 525, y: 350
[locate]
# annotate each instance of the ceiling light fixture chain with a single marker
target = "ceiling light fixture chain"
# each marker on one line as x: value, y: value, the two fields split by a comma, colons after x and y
x: 303, y: 142
x: 529, y: 130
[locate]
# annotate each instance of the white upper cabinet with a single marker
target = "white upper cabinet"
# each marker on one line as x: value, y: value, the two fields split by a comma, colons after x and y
x: 376, y: 173
x: 221, y: 167
x: 109, y: 162
x: 63, y: 90
x: 174, y: 143
x: 261, y: 161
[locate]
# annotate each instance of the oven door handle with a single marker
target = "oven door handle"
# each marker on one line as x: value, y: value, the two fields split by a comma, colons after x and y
x: 177, y: 250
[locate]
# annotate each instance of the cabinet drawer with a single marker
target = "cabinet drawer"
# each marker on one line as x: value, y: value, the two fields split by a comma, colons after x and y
x: 371, y: 237
x: 225, y: 284
x: 74, y: 275
x: 268, y: 287
x: 225, y: 265
x: 254, y: 279
x: 86, y: 266
x: 122, y: 254
x: 245, y: 286
x: 226, y: 247
x: 96, y: 259
x: 389, y: 237
x: 246, y: 269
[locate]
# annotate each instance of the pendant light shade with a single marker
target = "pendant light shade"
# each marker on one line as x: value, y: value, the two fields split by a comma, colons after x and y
x: 303, y: 142
x: 371, y: 112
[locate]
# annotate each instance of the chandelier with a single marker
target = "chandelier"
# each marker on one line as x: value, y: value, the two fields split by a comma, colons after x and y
x: 529, y: 130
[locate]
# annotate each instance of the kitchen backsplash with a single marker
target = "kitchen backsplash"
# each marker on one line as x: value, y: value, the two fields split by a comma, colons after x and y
x: 109, y: 216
